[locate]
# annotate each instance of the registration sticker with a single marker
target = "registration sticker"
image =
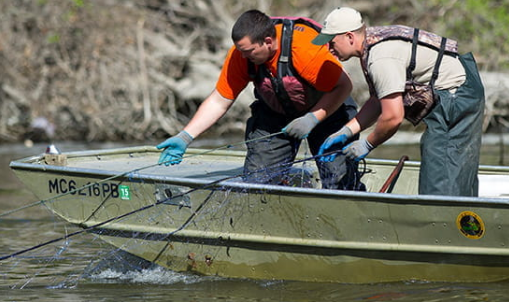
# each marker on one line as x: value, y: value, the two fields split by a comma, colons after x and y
x: 470, y: 224
x: 125, y: 194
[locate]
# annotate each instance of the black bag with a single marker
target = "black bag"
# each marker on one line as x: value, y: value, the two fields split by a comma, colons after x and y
x: 418, y: 100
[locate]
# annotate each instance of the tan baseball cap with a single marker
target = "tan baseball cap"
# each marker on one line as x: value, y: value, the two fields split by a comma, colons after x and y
x: 340, y: 20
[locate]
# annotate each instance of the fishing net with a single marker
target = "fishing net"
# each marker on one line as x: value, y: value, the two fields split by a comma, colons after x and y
x: 49, y: 252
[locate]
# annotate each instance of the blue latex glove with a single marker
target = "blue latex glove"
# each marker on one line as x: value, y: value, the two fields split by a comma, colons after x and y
x: 338, y: 140
x: 358, y: 149
x: 302, y: 126
x: 174, y: 148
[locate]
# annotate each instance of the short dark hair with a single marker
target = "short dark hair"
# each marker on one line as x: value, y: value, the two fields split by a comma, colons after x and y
x: 255, y: 25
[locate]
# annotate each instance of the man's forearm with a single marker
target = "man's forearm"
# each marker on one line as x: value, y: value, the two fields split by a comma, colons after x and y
x: 209, y: 112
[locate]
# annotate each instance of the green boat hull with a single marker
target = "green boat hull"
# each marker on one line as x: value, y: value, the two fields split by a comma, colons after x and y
x: 200, y: 217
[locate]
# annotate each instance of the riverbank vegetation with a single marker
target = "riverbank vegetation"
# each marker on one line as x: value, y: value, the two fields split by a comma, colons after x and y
x: 125, y: 70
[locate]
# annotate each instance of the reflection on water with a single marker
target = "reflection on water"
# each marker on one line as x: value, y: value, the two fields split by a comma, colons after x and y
x: 83, y: 268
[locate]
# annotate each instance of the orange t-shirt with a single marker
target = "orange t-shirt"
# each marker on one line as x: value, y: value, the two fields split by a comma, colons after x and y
x: 313, y: 63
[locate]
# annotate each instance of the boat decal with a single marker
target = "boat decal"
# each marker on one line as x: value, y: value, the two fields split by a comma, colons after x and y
x: 125, y: 193
x: 470, y: 225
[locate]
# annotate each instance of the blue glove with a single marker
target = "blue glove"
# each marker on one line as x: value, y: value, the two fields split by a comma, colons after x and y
x: 358, y: 149
x: 302, y: 126
x: 174, y: 148
x: 338, y: 140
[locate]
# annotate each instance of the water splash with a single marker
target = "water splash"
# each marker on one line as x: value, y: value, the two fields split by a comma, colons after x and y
x: 156, y: 275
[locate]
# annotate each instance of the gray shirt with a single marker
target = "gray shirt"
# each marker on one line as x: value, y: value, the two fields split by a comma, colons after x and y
x: 388, y: 61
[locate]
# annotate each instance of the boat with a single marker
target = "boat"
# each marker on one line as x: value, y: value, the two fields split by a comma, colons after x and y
x: 201, y: 217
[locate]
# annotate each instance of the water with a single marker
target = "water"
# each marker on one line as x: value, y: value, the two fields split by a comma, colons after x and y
x: 83, y: 268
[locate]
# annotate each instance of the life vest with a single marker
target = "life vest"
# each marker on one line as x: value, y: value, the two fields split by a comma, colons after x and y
x: 287, y: 87
x: 414, y: 111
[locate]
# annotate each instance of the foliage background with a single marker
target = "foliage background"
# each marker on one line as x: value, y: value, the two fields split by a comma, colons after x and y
x: 110, y: 70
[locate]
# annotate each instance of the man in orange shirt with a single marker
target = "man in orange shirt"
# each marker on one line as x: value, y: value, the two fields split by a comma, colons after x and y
x: 307, y: 98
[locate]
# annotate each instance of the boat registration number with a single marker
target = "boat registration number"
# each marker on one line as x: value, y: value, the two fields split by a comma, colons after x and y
x: 70, y: 186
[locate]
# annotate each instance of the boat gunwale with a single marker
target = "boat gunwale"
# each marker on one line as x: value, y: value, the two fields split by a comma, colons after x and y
x: 218, y: 152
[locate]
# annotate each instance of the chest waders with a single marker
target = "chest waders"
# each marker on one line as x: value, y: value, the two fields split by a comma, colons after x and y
x: 341, y: 174
x: 451, y: 143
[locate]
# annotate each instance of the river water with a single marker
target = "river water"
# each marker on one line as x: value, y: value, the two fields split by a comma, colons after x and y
x: 83, y: 268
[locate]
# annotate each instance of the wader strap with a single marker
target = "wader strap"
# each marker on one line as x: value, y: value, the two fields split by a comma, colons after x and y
x: 437, y: 64
x: 286, y: 48
x: 411, y: 66
x: 283, y: 70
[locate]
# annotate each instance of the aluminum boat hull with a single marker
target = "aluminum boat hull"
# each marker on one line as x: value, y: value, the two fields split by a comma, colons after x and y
x: 200, y: 217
